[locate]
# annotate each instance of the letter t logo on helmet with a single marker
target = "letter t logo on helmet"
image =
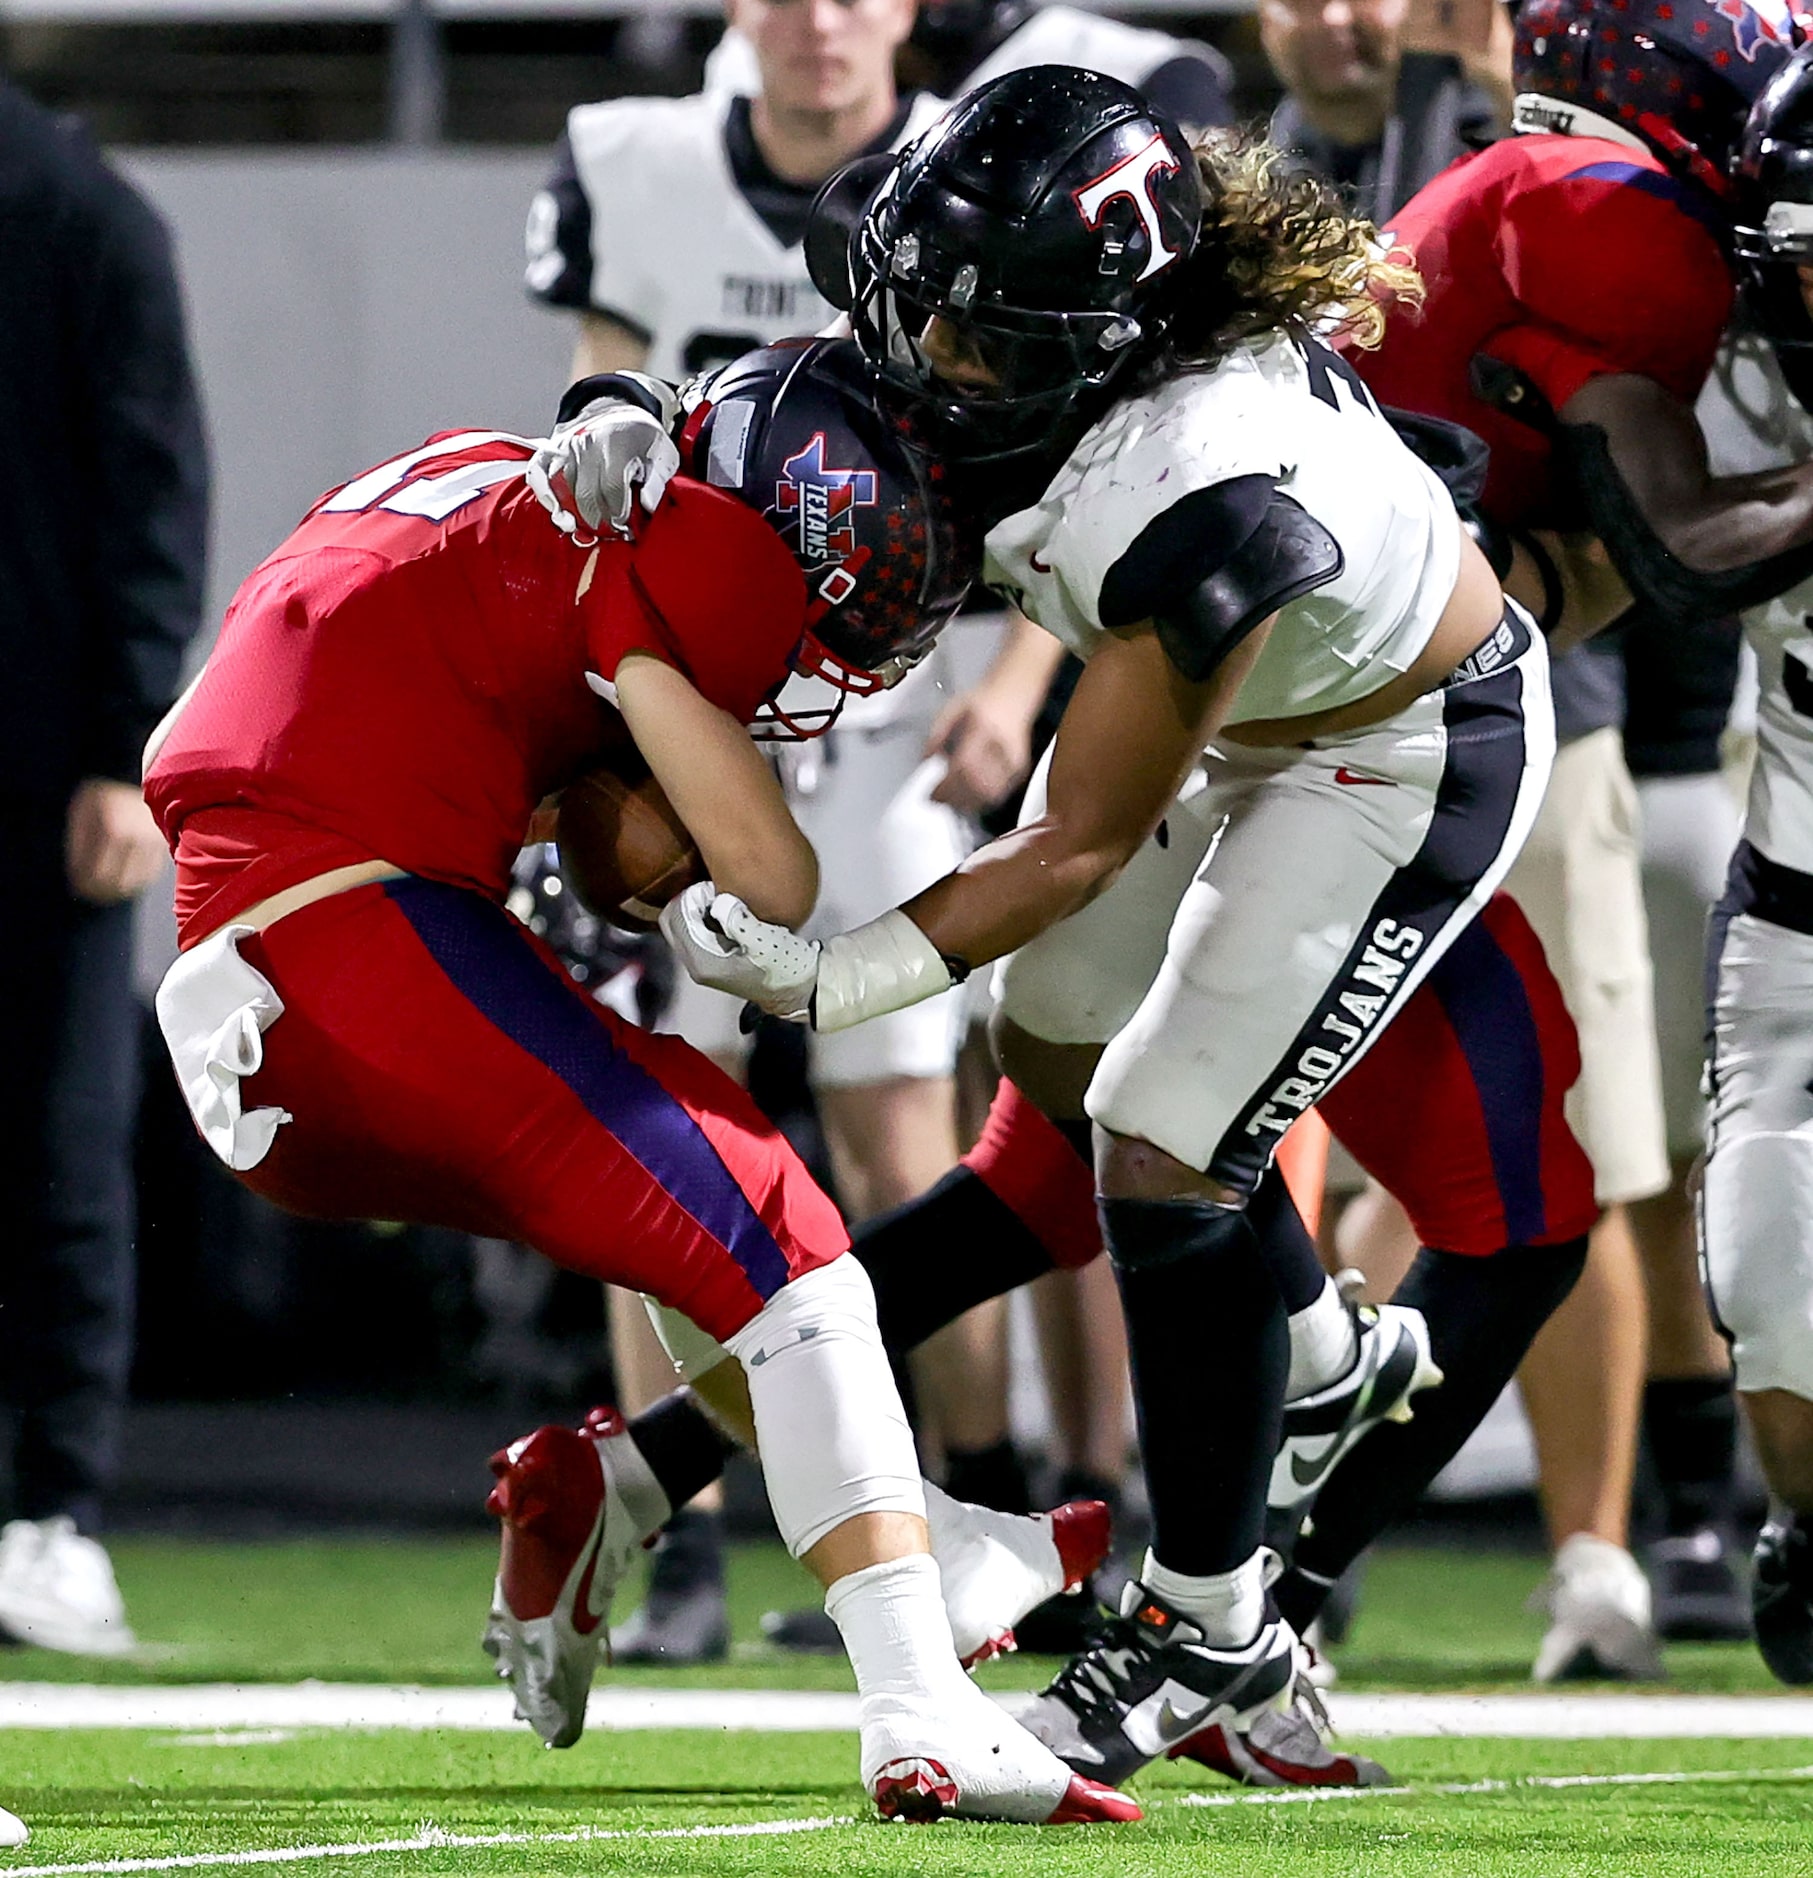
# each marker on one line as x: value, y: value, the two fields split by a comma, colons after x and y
x: 1131, y: 178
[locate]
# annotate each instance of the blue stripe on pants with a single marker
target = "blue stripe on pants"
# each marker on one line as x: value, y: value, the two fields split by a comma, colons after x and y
x: 490, y: 962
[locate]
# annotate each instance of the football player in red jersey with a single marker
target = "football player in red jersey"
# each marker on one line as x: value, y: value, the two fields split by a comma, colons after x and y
x: 362, y: 1030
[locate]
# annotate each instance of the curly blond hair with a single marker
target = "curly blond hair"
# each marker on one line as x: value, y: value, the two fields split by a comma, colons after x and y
x: 1280, y: 250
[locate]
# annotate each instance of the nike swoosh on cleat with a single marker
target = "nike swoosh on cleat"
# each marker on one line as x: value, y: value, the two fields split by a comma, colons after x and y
x: 1307, y: 1475
x: 1038, y: 566
x: 1352, y: 778
x: 585, y: 1618
x: 1173, y: 1726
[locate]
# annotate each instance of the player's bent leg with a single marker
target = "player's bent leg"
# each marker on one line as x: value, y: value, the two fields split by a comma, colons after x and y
x: 1754, y: 1214
x: 1482, y: 1313
x: 844, y: 1484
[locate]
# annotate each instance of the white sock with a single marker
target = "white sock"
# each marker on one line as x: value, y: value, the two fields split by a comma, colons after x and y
x: 833, y: 1437
x: 1324, y: 1346
x: 892, y: 1621
x: 1228, y: 1607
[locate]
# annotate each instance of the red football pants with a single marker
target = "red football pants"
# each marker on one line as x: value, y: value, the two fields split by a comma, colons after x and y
x: 440, y: 1067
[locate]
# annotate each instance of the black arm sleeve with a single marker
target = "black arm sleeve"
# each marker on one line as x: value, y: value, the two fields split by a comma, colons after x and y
x: 139, y: 430
x: 1216, y: 564
x: 558, y: 237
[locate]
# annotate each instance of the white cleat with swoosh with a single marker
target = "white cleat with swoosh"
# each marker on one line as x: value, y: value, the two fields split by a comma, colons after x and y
x: 1394, y: 1363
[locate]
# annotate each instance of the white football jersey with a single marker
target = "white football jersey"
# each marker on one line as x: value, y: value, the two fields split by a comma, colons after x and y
x: 652, y: 229
x: 1752, y: 422
x: 1276, y: 408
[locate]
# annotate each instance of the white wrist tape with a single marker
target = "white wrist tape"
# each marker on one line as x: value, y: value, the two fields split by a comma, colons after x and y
x: 881, y: 967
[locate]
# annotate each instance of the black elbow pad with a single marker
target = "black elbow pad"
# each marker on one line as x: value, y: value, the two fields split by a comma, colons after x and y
x: 1215, y: 565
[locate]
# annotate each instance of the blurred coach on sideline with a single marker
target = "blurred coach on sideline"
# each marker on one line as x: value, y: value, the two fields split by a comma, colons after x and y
x: 103, y: 503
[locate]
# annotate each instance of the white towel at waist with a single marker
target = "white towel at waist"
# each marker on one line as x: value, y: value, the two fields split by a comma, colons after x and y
x: 213, y: 1009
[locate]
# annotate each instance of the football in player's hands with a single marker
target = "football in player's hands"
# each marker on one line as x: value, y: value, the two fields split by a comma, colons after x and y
x: 623, y: 848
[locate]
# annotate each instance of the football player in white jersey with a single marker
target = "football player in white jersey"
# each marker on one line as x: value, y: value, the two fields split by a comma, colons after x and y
x: 1310, y: 738
x: 1756, y: 1208
x: 672, y: 227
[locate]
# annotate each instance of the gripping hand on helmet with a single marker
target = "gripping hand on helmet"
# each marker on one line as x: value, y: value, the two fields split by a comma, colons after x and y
x: 881, y: 967
x: 615, y: 444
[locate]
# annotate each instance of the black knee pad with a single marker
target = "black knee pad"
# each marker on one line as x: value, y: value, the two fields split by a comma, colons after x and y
x: 1145, y: 1234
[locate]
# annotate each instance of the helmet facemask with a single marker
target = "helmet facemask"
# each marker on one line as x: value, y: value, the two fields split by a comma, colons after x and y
x: 1045, y: 366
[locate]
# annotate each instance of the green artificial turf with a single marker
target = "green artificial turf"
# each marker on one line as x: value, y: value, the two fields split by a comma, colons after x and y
x: 410, y: 1610
x: 96, y: 1796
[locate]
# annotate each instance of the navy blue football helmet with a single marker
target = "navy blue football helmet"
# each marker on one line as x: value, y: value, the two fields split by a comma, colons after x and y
x: 797, y: 430
x: 1679, y: 74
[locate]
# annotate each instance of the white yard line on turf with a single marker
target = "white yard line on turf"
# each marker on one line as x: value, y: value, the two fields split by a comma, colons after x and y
x: 228, y: 1707
x: 434, y: 1839
x: 429, y: 1839
x: 1297, y: 1795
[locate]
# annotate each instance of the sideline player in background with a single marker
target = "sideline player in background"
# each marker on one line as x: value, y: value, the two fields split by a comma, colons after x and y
x: 672, y: 227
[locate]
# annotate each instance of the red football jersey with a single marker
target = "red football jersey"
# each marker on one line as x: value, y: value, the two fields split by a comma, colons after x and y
x: 1569, y: 257
x: 406, y: 677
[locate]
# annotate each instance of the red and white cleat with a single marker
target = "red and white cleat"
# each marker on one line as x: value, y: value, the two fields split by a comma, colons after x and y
x: 967, y: 1758
x: 995, y: 1567
x: 576, y: 1506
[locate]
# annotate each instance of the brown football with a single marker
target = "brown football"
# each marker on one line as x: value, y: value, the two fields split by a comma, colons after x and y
x: 623, y: 849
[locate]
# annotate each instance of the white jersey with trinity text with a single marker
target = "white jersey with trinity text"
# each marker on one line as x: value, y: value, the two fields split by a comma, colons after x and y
x: 651, y: 229
x: 1273, y: 407
x: 1753, y: 422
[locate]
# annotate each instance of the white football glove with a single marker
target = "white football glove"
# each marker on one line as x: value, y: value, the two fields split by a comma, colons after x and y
x: 722, y: 944
x: 881, y: 967
x: 612, y: 449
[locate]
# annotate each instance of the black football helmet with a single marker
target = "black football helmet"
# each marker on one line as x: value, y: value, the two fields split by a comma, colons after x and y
x: 953, y: 37
x: 1681, y: 75
x: 1047, y: 220
x: 1774, y: 214
x: 797, y: 431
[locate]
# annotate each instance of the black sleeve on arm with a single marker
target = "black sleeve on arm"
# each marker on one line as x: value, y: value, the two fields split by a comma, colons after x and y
x: 1215, y: 565
x: 144, y: 443
x: 559, y: 237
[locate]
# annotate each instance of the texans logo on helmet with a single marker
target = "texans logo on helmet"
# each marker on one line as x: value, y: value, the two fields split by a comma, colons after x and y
x: 823, y: 499
x: 1756, y: 23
